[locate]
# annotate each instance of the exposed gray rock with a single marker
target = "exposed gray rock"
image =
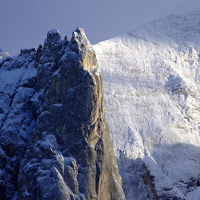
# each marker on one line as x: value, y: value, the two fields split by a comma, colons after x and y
x: 54, y: 137
x: 70, y: 155
x: 17, y: 122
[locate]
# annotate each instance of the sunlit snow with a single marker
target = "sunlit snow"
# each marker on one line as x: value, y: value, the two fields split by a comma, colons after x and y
x: 152, y: 91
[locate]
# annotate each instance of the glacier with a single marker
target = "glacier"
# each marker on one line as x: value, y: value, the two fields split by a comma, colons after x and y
x: 152, y: 93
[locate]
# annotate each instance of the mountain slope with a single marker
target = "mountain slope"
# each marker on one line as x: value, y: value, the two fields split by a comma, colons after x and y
x: 152, y: 92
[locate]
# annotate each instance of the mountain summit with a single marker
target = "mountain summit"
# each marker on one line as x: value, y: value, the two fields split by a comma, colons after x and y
x: 152, y: 92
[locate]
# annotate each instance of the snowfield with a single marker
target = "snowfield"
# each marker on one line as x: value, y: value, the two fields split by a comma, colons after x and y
x: 152, y: 91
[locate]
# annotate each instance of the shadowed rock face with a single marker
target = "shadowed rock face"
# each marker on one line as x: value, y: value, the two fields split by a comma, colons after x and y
x: 159, y: 185
x: 70, y: 155
x: 17, y: 119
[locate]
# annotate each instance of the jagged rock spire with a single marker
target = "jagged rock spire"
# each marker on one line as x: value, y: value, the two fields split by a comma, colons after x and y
x: 71, y: 153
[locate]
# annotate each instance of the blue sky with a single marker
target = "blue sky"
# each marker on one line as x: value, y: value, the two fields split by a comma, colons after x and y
x: 24, y: 23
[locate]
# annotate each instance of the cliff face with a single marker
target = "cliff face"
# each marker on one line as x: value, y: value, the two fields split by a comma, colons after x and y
x: 17, y: 116
x: 65, y: 151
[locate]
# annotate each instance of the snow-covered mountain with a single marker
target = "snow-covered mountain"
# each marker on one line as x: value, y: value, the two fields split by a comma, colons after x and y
x: 151, y: 82
x: 54, y: 139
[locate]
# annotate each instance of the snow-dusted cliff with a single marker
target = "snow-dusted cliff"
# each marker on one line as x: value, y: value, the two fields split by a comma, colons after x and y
x: 55, y: 143
x: 151, y: 82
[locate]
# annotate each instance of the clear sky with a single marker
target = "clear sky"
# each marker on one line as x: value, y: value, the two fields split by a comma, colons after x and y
x: 24, y: 23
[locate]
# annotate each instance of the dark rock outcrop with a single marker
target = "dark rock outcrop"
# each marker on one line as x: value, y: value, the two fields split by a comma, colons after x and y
x: 55, y: 140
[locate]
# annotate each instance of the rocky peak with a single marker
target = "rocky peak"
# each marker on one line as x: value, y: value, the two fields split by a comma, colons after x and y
x: 81, y: 45
x: 63, y: 147
x: 53, y: 36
